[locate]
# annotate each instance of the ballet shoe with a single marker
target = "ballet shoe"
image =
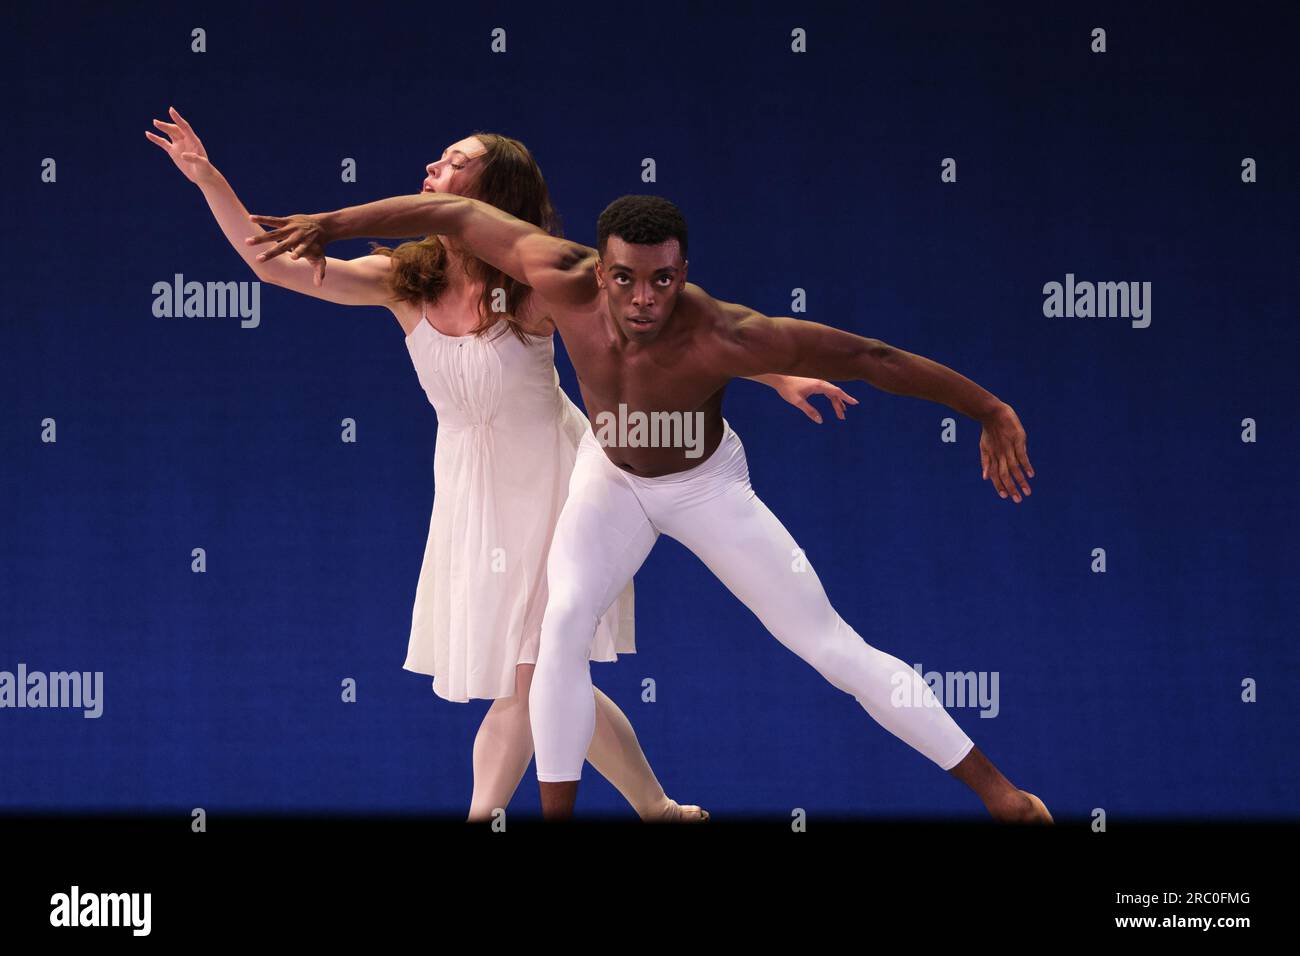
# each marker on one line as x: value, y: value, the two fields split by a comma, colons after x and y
x: 675, y: 812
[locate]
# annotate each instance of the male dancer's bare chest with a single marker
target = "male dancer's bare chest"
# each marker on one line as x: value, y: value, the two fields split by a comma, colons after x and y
x: 656, y: 409
x: 662, y: 377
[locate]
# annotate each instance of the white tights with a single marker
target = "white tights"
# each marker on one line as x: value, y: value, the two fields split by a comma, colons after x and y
x: 504, y: 745
x: 611, y: 520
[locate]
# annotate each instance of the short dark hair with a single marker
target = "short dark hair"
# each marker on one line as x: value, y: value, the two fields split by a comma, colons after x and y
x: 642, y: 221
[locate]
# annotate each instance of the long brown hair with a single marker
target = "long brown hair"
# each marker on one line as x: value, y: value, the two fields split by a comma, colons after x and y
x: 510, y: 179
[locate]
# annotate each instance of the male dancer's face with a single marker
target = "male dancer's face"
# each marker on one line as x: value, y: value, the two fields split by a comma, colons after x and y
x: 641, y: 285
x: 457, y: 168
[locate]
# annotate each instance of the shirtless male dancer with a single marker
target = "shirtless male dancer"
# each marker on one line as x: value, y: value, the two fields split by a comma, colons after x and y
x: 643, y: 339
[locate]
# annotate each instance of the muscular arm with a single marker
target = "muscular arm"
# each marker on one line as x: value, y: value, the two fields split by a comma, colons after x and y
x: 562, y: 271
x: 751, y: 343
x: 754, y: 343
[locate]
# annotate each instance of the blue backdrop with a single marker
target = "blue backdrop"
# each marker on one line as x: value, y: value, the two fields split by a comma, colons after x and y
x: 820, y: 170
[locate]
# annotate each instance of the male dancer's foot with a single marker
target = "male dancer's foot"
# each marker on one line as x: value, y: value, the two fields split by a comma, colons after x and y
x: 1040, y: 807
x: 1021, y: 806
x: 1004, y: 802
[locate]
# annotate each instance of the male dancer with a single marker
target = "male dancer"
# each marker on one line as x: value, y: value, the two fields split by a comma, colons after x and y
x: 644, y: 340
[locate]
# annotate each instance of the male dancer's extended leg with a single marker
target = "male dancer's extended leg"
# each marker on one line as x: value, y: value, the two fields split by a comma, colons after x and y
x: 600, y: 540
x: 734, y: 533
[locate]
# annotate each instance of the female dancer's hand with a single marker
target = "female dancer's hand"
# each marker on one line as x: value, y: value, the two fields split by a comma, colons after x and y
x: 796, y: 390
x: 303, y: 234
x: 184, y: 148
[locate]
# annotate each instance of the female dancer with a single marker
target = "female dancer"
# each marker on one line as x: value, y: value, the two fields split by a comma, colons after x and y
x: 507, y: 439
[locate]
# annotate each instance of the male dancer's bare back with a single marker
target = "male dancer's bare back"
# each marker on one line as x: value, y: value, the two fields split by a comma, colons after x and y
x: 640, y: 336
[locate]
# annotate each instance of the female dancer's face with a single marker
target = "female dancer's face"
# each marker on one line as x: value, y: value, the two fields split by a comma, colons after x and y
x: 456, y: 170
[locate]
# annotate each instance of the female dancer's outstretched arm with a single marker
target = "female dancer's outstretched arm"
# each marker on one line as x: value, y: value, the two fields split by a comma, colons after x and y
x: 361, y: 281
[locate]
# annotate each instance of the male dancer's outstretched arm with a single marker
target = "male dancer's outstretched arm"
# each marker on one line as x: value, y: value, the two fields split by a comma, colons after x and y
x: 752, y: 343
x: 561, y: 271
x: 748, y: 343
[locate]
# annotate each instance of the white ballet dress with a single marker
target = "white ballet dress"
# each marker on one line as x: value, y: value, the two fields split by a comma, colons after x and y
x: 506, y: 442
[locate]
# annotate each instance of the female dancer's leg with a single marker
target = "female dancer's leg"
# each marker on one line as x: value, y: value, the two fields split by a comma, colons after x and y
x: 504, y: 746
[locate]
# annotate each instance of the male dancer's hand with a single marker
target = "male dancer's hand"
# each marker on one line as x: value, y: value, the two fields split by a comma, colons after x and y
x: 796, y: 390
x: 305, y: 235
x: 1003, y: 453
